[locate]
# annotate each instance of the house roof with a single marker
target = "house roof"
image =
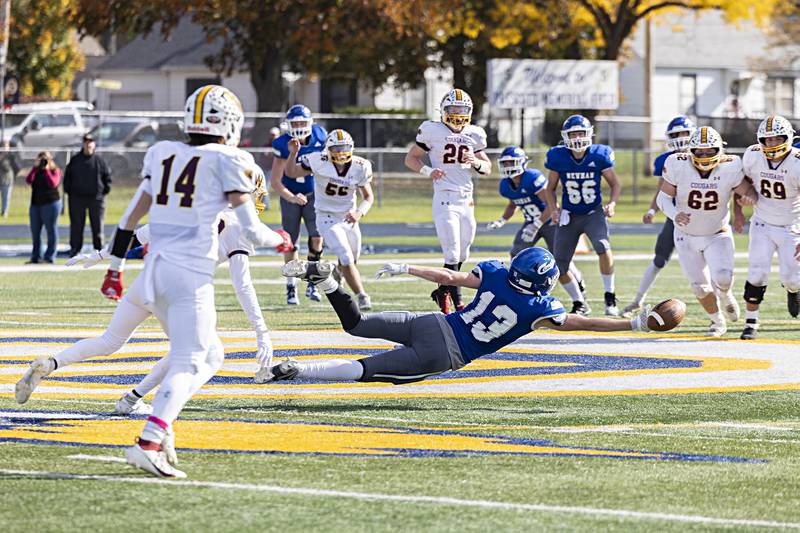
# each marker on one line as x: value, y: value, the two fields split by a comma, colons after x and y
x: 187, y: 46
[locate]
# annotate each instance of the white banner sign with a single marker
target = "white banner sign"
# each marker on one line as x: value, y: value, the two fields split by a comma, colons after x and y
x: 553, y: 84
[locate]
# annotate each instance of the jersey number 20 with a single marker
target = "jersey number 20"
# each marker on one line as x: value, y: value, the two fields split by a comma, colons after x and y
x: 184, y: 184
x: 506, y: 319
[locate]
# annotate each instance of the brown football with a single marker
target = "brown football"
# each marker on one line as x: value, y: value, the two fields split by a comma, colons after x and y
x: 666, y: 315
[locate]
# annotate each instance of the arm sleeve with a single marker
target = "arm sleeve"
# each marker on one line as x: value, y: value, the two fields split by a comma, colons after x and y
x: 422, y: 138
x: 53, y: 177
x: 245, y: 292
x: 68, y: 178
x: 252, y: 228
x: 31, y: 176
x: 666, y: 204
x: 106, y: 177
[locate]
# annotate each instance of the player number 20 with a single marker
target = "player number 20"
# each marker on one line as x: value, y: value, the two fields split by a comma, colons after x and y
x: 580, y: 191
x: 455, y: 154
x: 506, y: 319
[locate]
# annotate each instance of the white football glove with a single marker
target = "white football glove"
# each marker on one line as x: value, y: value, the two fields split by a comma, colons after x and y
x: 391, y: 269
x: 639, y: 322
x: 89, y: 260
x: 496, y: 224
x: 264, y: 356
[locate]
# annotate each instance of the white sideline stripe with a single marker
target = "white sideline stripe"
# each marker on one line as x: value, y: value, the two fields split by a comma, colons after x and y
x: 103, y: 458
x: 275, y: 263
x: 435, y: 500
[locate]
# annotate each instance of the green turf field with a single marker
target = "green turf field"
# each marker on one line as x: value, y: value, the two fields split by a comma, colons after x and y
x: 755, y: 432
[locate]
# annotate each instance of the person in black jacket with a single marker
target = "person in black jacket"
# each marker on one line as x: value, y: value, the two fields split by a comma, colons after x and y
x: 87, y: 181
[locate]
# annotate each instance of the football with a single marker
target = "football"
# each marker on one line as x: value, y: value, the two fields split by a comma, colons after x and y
x: 666, y: 315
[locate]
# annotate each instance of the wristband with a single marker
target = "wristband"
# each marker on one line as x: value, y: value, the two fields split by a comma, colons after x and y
x: 364, y: 207
x: 481, y: 166
x: 651, y: 212
x: 115, y: 263
x: 426, y: 170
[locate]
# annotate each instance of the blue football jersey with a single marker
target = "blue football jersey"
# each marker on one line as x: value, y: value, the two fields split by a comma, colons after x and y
x: 580, y: 180
x: 316, y: 143
x: 499, y: 314
x: 658, y: 164
x: 524, y: 196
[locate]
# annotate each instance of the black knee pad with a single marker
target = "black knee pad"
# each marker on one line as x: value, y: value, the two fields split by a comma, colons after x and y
x: 754, y: 294
x: 314, y: 256
x: 451, y: 267
x: 660, y: 261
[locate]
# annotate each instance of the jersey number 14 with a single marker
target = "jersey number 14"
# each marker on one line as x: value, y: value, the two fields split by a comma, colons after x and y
x: 506, y: 319
x: 183, y: 185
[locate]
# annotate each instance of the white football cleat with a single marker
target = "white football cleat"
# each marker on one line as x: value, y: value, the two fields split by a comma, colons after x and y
x: 310, y: 271
x: 730, y: 308
x: 40, y: 367
x: 128, y: 404
x: 717, y: 329
x: 364, y: 301
x: 153, y: 462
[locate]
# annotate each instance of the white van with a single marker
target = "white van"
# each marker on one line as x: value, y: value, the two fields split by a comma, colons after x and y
x: 46, y: 124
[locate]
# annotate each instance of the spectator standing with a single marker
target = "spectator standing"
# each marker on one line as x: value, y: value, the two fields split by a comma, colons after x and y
x: 9, y: 167
x: 87, y: 181
x: 44, y: 179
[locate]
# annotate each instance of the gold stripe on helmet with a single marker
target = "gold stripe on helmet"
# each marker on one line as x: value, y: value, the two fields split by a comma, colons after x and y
x: 198, y: 104
x: 769, y: 123
x: 339, y: 135
x: 703, y: 135
x: 458, y: 95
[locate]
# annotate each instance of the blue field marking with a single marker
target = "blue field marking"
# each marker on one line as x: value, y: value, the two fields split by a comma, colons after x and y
x: 72, y: 340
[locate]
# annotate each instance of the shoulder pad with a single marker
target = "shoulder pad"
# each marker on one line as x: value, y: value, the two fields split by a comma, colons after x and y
x: 490, y: 267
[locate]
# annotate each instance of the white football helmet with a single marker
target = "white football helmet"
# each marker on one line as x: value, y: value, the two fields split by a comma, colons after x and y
x: 216, y: 111
x: 456, y: 109
x: 775, y: 126
x: 706, y: 137
x: 339, y: 146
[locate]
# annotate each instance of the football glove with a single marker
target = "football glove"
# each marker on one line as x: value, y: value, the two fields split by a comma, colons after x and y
x: 112, y: 285
x: 264, y: 356
x: 496, y: 224
x: 639, y: 322
x: 89, y: 260
x: 286, y: 246
x: 391, y: 269
x: 530, y: 230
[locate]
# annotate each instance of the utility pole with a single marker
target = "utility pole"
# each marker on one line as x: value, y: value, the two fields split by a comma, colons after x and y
x: 5, y: 12
x: 648, y: 94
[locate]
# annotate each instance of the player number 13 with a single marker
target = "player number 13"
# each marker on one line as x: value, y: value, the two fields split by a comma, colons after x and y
x: 506, y: 319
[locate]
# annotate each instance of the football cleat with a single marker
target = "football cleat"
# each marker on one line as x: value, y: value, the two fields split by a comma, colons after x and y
x: 263, y: 375
x: 129, y: 404
x: 793, y: 303
x: 582, y: 287
x: 40, y: 367
x: 730, y: 308
x: 312, y: 293
x: 311, y: 271
x: 152, y: 461
x: 749, y: 333
x: 581, y: 308
x: 611, y: 304
x: 717, y: 329
x: 631, y: 309
x: 291, y: 295
x: 442, y: 299
x: 287, y: 370
x: 364, y: 301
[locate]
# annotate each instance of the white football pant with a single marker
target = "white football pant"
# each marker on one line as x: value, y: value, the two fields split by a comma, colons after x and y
x: 343, y: 238
x: 706, y: 260
x: 765, y: 240
x: 454, y: 218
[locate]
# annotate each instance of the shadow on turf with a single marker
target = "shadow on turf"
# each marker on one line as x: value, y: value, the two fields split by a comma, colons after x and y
x: 350, y: 408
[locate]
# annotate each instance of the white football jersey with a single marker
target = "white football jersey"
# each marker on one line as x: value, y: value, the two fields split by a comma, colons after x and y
x: 707, y: 199
x: 334, y: 193
x: 231, y: 240
x: 447, y: 149
x: 778, y: 188
x: 188, y: 185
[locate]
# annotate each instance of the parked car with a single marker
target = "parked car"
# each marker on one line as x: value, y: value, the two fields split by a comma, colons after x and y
x: 47, y: 124
x: 122, y: 141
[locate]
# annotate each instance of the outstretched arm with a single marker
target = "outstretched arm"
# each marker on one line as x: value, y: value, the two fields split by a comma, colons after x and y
x: 442, y: 276
x: 575, y: 322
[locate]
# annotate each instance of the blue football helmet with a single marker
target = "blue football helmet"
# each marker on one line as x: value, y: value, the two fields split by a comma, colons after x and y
x: 577, y: 123
x: 533, y: 271
x: 299, y: 121
x: 676, y: 127
x: 512, y: 161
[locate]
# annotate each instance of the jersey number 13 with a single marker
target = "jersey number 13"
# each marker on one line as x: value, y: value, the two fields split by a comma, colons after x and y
x: 506, y: 319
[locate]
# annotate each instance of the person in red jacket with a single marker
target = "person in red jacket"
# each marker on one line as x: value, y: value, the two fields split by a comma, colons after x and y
x: 44, y: 179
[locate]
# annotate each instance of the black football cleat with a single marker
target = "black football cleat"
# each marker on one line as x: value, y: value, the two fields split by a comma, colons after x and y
x: 285, y: 371
x: 749, y: 333
x: 793, y: 303
x: 442, y: 298
x: 581, y: 308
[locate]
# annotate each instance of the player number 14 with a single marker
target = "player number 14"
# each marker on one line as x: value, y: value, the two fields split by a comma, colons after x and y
x: 506, y: 319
